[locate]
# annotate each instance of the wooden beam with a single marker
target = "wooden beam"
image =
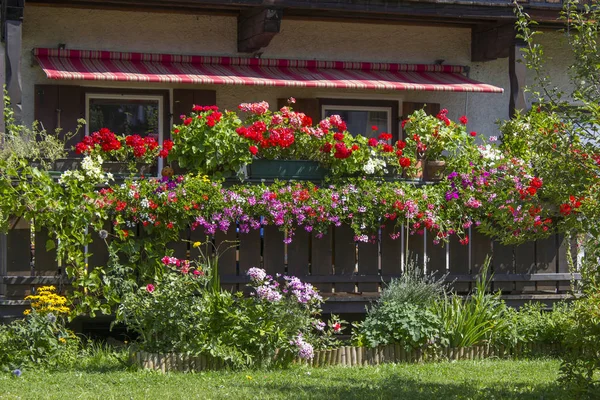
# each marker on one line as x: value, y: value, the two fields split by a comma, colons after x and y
x: 489, y: 42
x: 13, y: 41
x: 2, y: 83
x: 3, y: 262
x: 257, y: 27
x: 517, y: 72
x: 563, y: 277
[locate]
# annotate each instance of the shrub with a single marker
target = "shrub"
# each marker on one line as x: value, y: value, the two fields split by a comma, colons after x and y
x: 582, y: 358
x: 414, y: 287
x: 409, y: 325
x: 402, y: 314
x: 532, y: 324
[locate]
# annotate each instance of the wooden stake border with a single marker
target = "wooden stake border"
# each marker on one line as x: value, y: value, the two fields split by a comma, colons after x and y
x: 348, y: 356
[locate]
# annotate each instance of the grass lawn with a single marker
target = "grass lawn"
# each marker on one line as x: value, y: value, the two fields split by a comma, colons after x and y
x: 534, y: 379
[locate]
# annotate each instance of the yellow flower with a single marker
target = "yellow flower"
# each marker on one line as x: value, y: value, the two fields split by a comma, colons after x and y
x: 47, y: 301
x: 196, y: 244
x: 248, y: 377
x: 62, y: 340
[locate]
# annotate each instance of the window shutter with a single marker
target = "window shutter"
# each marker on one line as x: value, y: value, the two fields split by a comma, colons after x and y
x: 410, y: 107
x: 184, y: 99
x: 60, y: 106
x: 310, y: 107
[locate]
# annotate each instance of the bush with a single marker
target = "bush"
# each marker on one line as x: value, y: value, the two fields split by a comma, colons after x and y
x: 582, y: 358
x: 532, y: 324
x: 410, y: 325
x: 414, y: 287
x: 402, y: 314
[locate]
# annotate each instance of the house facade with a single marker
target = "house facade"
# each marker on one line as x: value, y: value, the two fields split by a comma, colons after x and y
x: 136, y: 66
x: 478, y: 37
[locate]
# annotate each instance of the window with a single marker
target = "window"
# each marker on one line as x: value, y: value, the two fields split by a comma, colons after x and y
x: 126, y: 115
x: 362, y: 114
x: 361, y: 119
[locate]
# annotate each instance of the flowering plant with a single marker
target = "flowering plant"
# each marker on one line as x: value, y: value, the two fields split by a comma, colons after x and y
x: 275, y: 325
x: 206, y: 142
x: 280, y: 135
x: 350, y: 155
x: 130, y: 148
x: 435, y: 137
x: 214, y: 143
x: 303, y: 303
x: 46, y: 301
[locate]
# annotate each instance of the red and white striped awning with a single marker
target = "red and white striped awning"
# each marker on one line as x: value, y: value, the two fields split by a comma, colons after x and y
x: 167, y: 68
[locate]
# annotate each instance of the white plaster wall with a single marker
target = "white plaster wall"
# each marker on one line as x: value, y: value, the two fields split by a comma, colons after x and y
x: 210, y: 34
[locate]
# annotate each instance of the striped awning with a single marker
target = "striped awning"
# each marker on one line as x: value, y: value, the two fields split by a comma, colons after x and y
x: 166, y: 68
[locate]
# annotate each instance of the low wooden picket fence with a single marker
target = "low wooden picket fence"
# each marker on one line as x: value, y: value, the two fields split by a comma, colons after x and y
x: 349, y: 356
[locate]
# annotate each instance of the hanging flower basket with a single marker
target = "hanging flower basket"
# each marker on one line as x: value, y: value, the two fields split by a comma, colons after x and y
x: 286, y: 169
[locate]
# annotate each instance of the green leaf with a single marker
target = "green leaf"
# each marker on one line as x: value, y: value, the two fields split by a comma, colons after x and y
x: 50, y: 245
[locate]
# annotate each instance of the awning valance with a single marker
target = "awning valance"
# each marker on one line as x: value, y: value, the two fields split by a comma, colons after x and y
x: 213, y: 70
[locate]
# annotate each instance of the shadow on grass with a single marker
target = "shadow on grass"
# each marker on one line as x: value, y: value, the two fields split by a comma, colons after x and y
x: 397, y: 387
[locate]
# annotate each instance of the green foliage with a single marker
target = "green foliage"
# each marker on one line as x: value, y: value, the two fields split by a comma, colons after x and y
x: 435, y: 137
x: 184, y: 313
x: 409, y: 325
x: 562, y: 144
x: 37, y: 339
x: 402, y: 314
x: 33, y: 145
x: 582, y: 361
x: 478, y: 319
x: 211, y: 148
x: 414, y: 287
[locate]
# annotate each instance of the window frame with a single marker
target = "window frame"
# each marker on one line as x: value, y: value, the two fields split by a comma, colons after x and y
x: 89, y: 95
x: 390, y: 106
x: 333, y: 107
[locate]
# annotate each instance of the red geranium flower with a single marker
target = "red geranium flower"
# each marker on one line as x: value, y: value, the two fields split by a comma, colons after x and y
x: 253, y: 150
x: 536, y: 183
x: 463, y: 120
x: 565, y: 209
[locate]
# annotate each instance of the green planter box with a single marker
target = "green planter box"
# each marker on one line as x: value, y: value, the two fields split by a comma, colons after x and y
x: 286, y: 169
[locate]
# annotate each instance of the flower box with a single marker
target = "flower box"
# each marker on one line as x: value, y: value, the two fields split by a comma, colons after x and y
x: 434, y: 170
x: 285, y: 169
x: 122, y: 168
x: 66, y: 164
